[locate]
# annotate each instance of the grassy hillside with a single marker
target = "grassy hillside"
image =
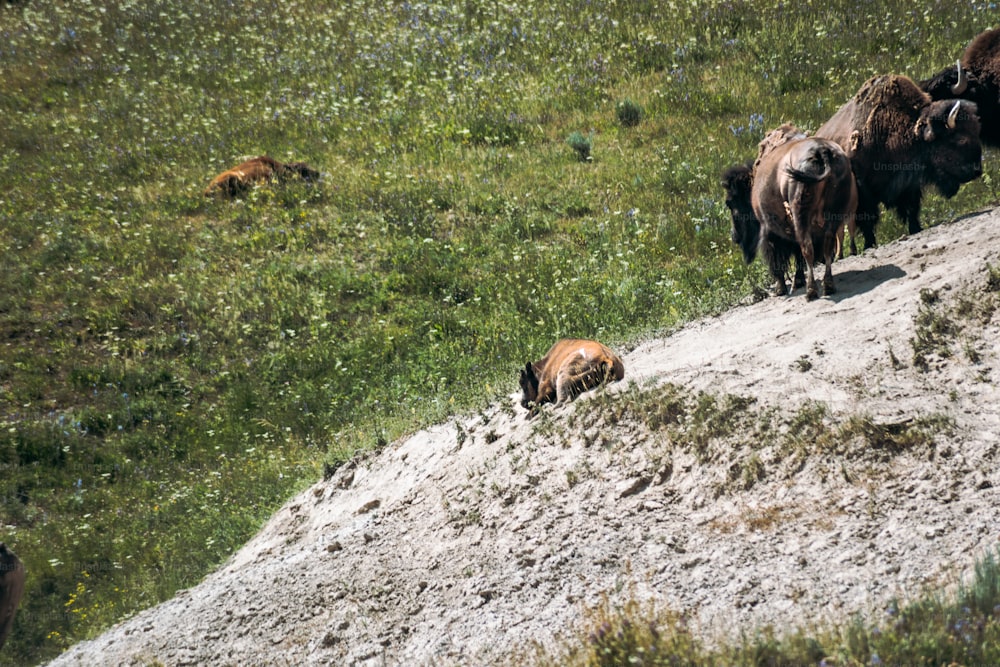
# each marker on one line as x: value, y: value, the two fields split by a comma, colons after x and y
x: 173, y: 367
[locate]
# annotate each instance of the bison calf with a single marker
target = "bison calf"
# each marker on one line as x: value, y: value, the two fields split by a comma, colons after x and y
x: 571, y: 367
x: 11, y: 589
x: 234, y: 182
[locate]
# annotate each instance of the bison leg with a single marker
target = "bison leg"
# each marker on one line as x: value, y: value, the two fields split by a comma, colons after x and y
x: 808, y: 256
x: 909, y: 212
x: 830, y: 246
x: 800, y: 275
x: 852, y: 232
x: 576, y: 376
x: 776, y: 253
x: 866, y: 220
x: 803, y: 233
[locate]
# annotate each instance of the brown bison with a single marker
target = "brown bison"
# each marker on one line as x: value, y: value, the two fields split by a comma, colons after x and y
x: 900, y: 141
x: 569, y: 368
x: 738, y: 184
x: 976, y: 78
x: 239, y: 179
x: 797, y: 196
x: 11, y: 589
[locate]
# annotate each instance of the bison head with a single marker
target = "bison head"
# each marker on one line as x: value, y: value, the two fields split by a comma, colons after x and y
x: 948, y: 131
x: 529, y: 386
x: 951, y: 83
x: 306, y: 172
x: 737, y: 181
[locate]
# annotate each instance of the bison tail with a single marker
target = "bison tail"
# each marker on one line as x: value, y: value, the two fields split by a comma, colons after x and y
x: 817, y: 167
x: 808, y: 177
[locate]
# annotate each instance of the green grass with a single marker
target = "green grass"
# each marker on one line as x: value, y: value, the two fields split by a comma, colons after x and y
x: 172, y: 368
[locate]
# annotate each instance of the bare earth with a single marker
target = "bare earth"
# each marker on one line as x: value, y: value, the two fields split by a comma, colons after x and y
x: 463, y: 543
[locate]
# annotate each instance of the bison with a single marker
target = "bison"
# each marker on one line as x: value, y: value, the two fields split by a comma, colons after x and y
x: 738, y: 184
x: 899, y: 141
x: 234, y: 182
x: 976, y: 78
x: 11, y: 589
x: 797, y: 195
x: 569, y: 368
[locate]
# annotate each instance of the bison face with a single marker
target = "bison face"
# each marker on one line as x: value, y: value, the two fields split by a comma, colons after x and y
x: 949, y: 133
x: 529, y: 386
x: 737, y: 181
x: 306, y: 172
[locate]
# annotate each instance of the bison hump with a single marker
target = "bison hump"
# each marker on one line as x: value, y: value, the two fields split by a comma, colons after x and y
x: 892, y: 93
x: 982, y: 56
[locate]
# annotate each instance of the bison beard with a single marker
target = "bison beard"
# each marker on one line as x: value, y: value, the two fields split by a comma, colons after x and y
x: 900, y: 141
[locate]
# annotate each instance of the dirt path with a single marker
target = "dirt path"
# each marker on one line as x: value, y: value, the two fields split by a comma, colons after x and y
x: 468, y: 540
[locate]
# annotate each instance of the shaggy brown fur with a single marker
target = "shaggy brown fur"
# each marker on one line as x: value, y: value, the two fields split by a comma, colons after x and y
x: 11, y: 589
x: 900, y: 141
x: 236, y: 181
x: 982, y: 56
x: 803, y: 192
x: 569, y: 368
x: 777, y: 137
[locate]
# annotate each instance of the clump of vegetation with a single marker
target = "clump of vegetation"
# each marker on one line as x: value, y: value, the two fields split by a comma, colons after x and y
x: 941, y: 324
x: 629, y: 113
x: 962, y: 629
x: 758, y: 441
x: 935, y: 330
x: 992, y: 278
x: 581, y: 145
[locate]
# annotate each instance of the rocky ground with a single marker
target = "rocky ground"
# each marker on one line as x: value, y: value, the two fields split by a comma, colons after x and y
x: 844, y: 453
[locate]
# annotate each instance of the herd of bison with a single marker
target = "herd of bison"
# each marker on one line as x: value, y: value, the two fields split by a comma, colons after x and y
x: 799, y: 195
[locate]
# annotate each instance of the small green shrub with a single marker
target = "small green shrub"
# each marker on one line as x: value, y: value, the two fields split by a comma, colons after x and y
x: 629, y: 113
x: 581, y: 145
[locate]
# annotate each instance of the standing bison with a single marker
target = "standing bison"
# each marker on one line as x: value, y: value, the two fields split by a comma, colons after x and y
x: 900, y: 141
x: 11, y: 589
x: 571, y: 367
x: 234, y: 182
x: 976, y: 78
x: 795, y: 199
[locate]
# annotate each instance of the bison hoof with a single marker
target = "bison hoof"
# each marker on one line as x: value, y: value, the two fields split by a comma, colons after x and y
x: 812, y: 294
x: 800, y: 281
x: 780, y: 289
x: 829, y: 289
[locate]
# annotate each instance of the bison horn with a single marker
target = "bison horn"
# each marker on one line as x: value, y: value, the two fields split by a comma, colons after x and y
x: 953, y: 115
x: 963, y: 81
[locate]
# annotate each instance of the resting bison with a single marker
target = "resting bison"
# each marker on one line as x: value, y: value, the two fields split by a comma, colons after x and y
x: 900, y: 141
x: 239, y: 179
x: 798, y: 195
x: 571, y: 367
x: 11, y: 589
x: 976, y: 78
